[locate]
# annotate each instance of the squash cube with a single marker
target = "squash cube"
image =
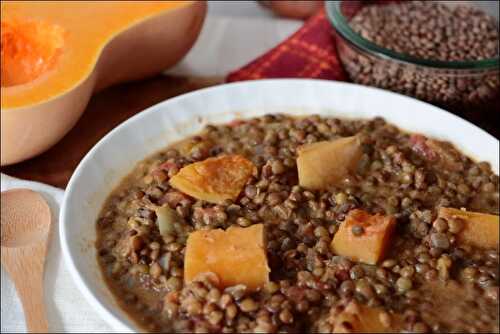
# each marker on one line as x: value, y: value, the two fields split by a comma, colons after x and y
x: 326, y: 163
x: 477, y: 229
x: 215, y: 179
x: 363, y: 237
x: 236, y: 256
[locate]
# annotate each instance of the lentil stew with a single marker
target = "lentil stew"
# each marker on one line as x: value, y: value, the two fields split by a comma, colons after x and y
x: 418, y: 271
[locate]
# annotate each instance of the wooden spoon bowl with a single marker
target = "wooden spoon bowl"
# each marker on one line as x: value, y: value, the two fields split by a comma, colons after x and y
x: 25, y: 230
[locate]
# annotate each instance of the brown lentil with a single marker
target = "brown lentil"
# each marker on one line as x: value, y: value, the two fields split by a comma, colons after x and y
x: 429, y: 30
x: 357, y: 230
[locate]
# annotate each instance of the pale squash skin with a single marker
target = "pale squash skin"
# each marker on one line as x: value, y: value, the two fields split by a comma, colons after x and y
x: 37, y: 114
x: 338, y: 159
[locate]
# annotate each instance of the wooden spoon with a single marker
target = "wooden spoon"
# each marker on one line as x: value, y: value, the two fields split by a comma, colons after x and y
x: 25, y: 232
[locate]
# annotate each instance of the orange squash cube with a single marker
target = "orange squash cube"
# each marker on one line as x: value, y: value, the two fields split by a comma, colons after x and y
x: 477, y: 229
x: 326, y: 163
x: 215, y: 179
x: 235, y: 256
x: 363, y: 237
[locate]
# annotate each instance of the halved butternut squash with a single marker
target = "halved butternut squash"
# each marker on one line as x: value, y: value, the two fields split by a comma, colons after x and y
x: 478, y: 229
x: 214, y: 179
x: 326, y: 163
x: 56, y: 53
x: 235, y: 256
x: 363, y: 237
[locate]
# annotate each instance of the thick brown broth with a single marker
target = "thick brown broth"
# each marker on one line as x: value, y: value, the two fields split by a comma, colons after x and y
x: 428, y: 278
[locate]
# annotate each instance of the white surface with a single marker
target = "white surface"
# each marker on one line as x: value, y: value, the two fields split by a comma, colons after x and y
x: 66, y: 309
x: 228, y: 43
x: 171, y: 120
x: 238, y: 9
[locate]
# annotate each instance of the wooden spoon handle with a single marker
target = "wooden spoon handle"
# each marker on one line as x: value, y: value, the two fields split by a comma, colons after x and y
x: 25, y: 267
x: 34, y: 309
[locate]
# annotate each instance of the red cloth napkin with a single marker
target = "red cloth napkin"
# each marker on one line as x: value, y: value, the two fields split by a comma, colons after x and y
x: 308, y: 53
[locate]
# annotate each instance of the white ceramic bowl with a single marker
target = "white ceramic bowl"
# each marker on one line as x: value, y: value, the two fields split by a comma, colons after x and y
x: 117, y: 153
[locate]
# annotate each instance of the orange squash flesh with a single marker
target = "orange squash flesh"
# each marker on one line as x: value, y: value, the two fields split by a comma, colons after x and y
x: 214, y: 179
x: 235, y: 256
x: 36, y: 28
x: 28, y: 50
x: 368, y: 247
x: 479, y: 229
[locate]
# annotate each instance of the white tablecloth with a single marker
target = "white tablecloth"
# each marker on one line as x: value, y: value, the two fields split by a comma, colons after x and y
x: 67, y: 311
x: 234, y: 33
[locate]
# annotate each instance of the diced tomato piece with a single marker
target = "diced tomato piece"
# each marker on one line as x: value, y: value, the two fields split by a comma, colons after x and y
x: 419, y: 145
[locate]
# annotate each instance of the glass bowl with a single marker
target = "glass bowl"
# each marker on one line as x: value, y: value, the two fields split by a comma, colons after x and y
x: 464, y: 87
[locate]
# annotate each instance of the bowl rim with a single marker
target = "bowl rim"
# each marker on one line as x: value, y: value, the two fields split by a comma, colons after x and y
x: 341, y: 25
x: 110, y: 315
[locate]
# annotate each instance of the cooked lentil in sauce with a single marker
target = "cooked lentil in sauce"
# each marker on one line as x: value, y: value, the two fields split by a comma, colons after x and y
x: 429, y: 279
